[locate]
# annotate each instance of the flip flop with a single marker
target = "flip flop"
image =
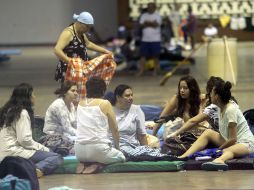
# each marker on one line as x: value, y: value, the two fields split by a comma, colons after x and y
x: 213, y: 166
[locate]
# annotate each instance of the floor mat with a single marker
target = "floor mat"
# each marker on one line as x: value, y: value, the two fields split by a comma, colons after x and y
x: 70, y: 164
x: 234, y: 164
x: 145, y: 166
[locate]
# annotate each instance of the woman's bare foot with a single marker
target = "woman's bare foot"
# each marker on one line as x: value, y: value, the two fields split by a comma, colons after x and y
x: 218, y: 160
x: 39, y: 173
x: 92, y: 168
x: 80, y: 168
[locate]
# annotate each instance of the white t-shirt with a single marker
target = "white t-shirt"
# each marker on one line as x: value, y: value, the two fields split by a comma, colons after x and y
x: 211, y: 31
x: 212, y: 111
x: 234, y: 114
x: 151, y: 34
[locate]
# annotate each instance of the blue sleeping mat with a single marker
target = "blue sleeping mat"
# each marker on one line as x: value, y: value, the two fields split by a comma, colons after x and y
x: 70, y: 163
x: 5, y: 52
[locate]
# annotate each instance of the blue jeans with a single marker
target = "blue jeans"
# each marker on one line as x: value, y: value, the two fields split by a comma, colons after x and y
x: 47, y: 162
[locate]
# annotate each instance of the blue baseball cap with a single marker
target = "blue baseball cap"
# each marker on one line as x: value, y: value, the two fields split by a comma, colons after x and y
x: 84, y: 17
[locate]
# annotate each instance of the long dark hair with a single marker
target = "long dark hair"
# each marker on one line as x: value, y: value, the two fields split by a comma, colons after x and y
x: 194, y: 97
x: 19, y: 100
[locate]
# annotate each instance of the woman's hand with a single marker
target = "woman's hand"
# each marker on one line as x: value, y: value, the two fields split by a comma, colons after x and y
x: 108, y: 52
x: 172, y: 135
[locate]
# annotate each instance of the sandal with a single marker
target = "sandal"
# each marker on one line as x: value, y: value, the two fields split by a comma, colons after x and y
x: 214, y: 166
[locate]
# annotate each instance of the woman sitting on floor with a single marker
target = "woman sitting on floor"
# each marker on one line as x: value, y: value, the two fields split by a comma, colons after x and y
x: 95, y: 120
x: 16, y: 122
x: 131, y: 124
x: 209, y: 114
x: 234, y: 136
x: 61, y: 120
x: 187, y: 103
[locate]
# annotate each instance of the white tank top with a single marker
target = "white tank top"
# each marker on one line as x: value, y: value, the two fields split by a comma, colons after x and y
x: 92, y: 125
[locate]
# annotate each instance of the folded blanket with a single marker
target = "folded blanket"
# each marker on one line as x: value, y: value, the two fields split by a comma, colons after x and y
x: 212, y: 152
x: 144, y: 153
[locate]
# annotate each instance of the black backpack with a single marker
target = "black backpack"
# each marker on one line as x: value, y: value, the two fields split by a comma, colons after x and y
x: 21, y: 168
x: 249, y: 116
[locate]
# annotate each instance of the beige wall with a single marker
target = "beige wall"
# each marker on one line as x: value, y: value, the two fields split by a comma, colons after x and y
x: 41, y: 21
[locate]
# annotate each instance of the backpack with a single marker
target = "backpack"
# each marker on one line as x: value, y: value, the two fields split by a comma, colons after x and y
x: 11, y: 182
x: 249, y: 116
x: 21, y: 168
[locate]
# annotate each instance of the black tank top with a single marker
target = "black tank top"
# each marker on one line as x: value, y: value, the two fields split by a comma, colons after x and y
x: 75, y: 48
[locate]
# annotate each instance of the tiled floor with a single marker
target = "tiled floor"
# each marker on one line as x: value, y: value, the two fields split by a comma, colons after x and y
x: 36, y: 65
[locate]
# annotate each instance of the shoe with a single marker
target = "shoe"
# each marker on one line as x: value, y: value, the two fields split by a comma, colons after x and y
x: 39, y: 173
x: 213, y: 166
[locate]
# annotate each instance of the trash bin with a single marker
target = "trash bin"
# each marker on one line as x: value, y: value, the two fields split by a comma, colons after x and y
x: 218, y: 60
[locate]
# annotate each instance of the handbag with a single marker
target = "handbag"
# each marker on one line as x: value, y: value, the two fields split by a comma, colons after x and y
x: 179, y: 145
x: 172, y: 126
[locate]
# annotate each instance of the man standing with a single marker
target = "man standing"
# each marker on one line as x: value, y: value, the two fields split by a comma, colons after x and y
x: 150, y: 22
x: 175, y: 19
x: 191, y: 26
